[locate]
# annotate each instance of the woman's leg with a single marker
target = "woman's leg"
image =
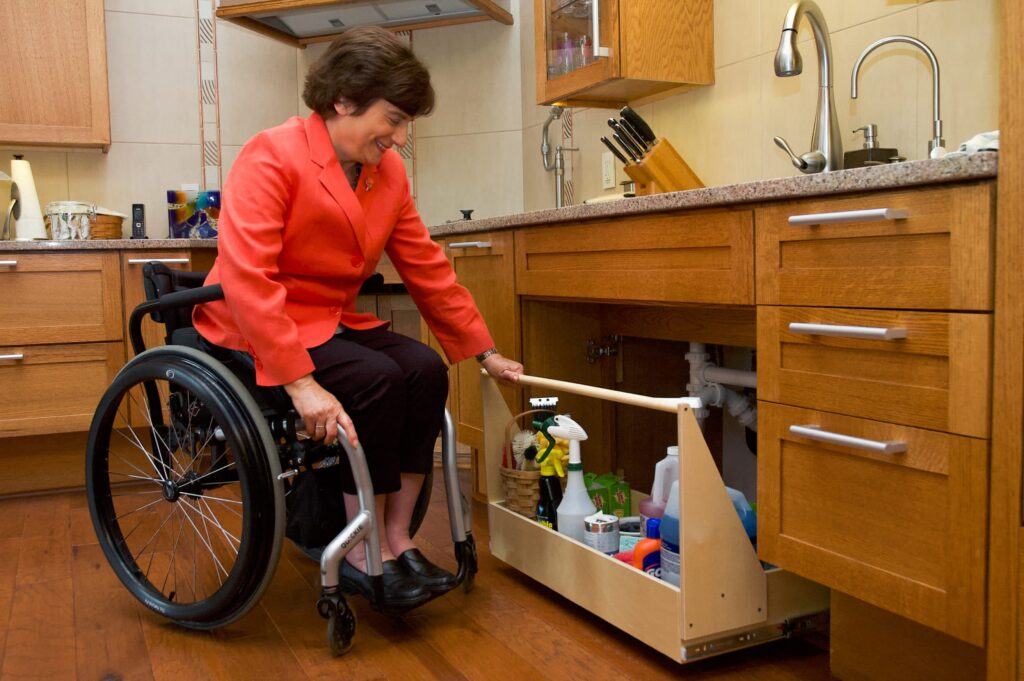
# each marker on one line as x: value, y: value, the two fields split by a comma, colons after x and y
x: 371, y: 388
x: 357, y: 554
x: 426, y: 387
x: 400, y: 506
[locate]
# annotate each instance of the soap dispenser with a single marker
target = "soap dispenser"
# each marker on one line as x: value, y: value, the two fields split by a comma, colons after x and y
x: 871, y: 154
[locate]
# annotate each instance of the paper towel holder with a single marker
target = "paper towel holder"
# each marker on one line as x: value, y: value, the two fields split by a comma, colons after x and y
x: 12, y: 213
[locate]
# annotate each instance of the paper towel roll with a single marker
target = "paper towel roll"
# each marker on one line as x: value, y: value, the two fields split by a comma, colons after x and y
x: 30, y: 225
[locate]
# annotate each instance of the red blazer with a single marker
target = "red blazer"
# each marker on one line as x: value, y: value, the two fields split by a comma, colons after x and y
x: 296, y: 242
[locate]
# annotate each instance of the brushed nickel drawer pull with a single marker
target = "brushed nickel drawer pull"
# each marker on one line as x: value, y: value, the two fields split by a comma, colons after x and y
x: 840, y: 331
x: 166, y: 261
x: 816, y: 433
x: 470, y: 244
x: 868, y: 215
x: 16, y: 356
x: 8, y: 263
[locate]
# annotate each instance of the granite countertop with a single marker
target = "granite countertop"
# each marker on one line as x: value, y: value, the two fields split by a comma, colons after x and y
x: 107, y: 244
x: 958, y: 168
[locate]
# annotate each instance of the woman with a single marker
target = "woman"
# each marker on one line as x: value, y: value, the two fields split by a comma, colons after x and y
x: 309, y: 206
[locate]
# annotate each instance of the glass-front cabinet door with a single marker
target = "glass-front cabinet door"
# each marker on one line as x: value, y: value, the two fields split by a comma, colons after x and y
x: 577, y: 46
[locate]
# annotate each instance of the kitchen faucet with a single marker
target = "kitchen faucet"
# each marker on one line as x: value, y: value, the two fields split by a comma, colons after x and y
x: 559, y: 162
x: 936, y: 144
x: 827, y: 146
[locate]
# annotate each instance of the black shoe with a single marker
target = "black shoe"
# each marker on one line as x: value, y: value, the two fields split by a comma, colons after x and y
x: 428, y: 574
x: 401, y: 590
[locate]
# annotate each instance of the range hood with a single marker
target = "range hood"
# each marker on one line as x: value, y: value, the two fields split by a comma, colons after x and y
x: 301, y: 22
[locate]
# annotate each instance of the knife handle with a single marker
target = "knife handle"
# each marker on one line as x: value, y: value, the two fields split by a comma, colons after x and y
x: 639, y: 124
x: 611, y: 148
x: 628, y: 148
x: 634, y: 136
x: 635, y: 151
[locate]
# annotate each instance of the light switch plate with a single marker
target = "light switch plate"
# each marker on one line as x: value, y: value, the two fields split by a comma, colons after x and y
x: 607, y: 170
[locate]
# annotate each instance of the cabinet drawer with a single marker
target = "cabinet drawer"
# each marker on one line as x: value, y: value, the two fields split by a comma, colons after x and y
x: 59, y: 298
x: 54, y: 388
x: 939, y: 256
x: 937, y: 376
x: 904, y: 531
x: 704, y: 257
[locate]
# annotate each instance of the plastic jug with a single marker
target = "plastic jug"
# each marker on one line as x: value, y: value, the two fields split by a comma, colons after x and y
x: 670, y: 537
x: 666, y: 472
x: 745, y: 512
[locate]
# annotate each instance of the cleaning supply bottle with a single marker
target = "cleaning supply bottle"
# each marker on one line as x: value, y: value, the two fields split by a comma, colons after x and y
x: 745, y: 512
x: 666, y: 472
x: 647, y: 553
x: 669, y: 532
x: 550, y: 488
x: 576, y: 504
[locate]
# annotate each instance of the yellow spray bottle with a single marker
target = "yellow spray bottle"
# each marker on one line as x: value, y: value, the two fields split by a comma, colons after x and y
x: 550, y: 458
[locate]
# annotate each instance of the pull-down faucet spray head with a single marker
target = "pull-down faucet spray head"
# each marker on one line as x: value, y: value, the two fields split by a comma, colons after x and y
x: 787, y: 58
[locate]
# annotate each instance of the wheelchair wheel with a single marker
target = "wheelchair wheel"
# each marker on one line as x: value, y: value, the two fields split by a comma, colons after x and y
x: 183, y: 489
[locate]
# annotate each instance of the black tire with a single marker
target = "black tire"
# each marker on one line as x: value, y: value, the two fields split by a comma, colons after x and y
x: 341, y: 629
x: 230, y: 484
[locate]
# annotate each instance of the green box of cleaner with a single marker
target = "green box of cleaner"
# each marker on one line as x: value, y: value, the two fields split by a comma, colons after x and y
x: 609, y: 492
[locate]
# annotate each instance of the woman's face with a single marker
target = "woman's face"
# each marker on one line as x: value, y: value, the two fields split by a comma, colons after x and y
x: 365, y: 138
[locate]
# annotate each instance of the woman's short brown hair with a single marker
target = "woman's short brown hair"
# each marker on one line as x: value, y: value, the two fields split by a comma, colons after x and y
x: 364, y: 64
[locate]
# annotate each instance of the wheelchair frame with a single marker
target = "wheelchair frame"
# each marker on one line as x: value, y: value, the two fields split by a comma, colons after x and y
x: 288, y: 430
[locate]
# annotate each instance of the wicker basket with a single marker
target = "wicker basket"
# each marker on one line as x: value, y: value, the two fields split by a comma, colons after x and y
x: 522, y: 488
x: 106, y: 227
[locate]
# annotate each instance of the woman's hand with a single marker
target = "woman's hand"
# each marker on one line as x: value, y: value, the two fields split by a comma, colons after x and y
x: 321, y: 411
x: 506, y: 370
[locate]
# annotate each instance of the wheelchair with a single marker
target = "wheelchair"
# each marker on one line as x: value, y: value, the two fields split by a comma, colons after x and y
x: 189, y: 464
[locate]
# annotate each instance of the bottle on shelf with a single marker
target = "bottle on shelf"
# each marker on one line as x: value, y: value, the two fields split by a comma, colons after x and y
x: 669, y: 533
x: 647, y: 553
x: 576, y: 504
x: 666, y: 472
x: 549, y: 457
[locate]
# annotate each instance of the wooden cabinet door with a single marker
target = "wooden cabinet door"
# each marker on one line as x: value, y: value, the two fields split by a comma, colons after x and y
x: 54, y: 79
x: 59, y: 298
x: 902, y: 529
x: 484, y: 264
x: 53, y: 388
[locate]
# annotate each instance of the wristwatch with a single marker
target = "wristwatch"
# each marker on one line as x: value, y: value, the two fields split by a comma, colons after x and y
x: 486, y: 353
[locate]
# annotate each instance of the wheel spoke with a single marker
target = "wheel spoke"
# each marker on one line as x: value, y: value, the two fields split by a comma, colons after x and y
x: 208, y: 547
x: 156, y: 434
x: 138, y: 445
x: 174, y: 548
x: 207, y: 496
x: 138, y: 509
x: 208, y: 474
x: 213, y: 521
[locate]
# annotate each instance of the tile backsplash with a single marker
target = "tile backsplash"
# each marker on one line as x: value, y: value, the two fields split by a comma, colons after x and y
x: 725, y: 131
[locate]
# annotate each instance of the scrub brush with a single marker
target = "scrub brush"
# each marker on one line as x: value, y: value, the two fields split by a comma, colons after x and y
x: 523, y: 448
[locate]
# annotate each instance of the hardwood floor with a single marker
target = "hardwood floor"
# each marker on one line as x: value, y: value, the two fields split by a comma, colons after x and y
x: 63, y: 615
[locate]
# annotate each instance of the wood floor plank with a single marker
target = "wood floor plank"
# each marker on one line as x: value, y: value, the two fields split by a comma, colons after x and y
x: 109, y: 643
x: 508, y: 627
x: 41, y: 634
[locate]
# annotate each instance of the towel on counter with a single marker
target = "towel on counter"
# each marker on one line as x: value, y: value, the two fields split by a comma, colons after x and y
x: 983, y: 141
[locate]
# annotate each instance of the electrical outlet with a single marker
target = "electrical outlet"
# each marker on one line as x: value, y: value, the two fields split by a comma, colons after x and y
x: 607, y: 170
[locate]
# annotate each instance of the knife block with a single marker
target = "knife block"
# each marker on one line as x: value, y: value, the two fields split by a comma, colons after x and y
x: 662, y: 170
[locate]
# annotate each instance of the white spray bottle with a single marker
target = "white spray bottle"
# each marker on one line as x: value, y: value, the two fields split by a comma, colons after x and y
x: 576, y: 504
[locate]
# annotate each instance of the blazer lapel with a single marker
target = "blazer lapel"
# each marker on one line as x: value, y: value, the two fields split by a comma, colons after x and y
x: 332, y: 177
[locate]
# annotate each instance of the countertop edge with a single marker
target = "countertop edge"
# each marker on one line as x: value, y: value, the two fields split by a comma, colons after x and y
x: 107, y: 245
x: 980, y: 166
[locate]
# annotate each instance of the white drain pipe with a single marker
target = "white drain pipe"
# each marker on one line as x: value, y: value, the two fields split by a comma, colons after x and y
x: 706, y: 382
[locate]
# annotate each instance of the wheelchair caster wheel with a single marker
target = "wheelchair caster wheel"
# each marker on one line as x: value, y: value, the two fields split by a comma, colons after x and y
x: 341, y: 629
x: 341, y: 622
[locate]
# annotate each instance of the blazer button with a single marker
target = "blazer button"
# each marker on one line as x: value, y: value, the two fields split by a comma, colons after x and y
x: 357, y: 261
x: 334, y: 310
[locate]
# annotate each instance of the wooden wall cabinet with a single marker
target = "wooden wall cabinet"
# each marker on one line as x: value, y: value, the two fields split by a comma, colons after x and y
x: 641, y: 48
x: 54, y: 79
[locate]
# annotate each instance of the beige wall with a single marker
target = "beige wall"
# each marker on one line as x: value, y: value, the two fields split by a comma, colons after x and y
x: 469, y: 151
x: 154, y: 109
x: 725, y: 131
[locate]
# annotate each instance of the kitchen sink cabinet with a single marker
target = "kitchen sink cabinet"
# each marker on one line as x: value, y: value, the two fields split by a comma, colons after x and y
x: 485, y: 265
x: 54, y: 78
x: 640, y: 48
